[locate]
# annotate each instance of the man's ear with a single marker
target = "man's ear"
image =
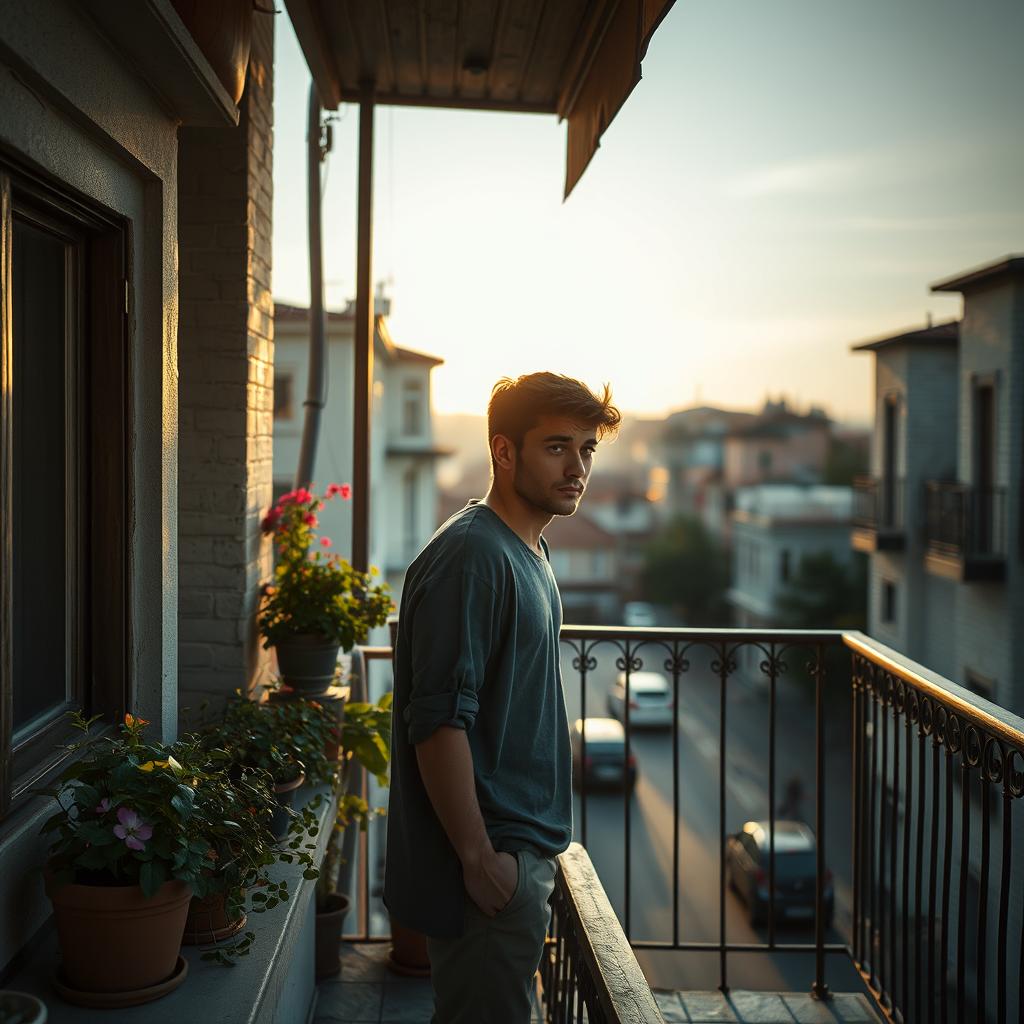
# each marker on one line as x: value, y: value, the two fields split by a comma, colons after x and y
x: 503, y: 452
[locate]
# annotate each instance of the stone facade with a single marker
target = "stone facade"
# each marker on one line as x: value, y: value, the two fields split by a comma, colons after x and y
x: 226, y: 354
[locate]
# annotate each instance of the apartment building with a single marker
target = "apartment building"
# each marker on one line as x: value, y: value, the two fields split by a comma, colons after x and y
x: 940, y: 515
x: 775, y: 526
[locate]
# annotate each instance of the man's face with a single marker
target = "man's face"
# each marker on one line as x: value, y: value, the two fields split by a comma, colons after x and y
x: 553, y: 464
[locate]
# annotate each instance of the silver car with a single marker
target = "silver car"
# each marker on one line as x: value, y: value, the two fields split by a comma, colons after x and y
x: 606, y: 763
x: 650, y: 700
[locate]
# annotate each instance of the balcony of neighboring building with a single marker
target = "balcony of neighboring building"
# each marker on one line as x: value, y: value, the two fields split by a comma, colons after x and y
x: 878, y: 514
x: 965, y: 531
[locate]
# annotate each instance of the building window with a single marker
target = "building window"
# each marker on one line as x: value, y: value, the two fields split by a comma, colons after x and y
x: 888, y: 601
x: 764, y: 461
x: 560, y: 564
x: 412, y: 408
x: 784, y: 566
x: 283, y: 396
x: 63, y: 492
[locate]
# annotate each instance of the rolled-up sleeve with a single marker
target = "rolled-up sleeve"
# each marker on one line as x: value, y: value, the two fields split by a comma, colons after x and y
x: 452, y: 628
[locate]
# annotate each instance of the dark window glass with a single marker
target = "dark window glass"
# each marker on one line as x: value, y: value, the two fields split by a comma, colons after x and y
x: 888, y: 602
x: 412, y: 408
x: 64, y: 491
x: 42, y: 264
x: 784, y: 567
x: 283, y: 396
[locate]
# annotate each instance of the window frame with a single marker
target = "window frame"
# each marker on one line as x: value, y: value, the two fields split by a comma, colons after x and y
x: 413, y: 400
x: 97, y: 467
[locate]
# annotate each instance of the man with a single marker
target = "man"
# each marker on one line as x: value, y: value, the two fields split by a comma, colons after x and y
x: 481, y: 798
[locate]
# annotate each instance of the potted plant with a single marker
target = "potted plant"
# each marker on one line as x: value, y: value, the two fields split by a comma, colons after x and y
x: 129, y: 848
x: 317, y: 602
x: 286, y: 740
x: 237, y: 806
x: 365, y: 738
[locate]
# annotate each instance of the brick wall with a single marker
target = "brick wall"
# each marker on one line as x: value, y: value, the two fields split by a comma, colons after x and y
x: 226, y: 354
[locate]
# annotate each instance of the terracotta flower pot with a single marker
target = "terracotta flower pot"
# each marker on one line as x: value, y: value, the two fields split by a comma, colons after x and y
x: 223, y: 31
x: 22, y: 1007
x: 208, y: 921
x: 408, y: 952
x: 113, y: 939
x: 329, y: 924
x: 285, y: 793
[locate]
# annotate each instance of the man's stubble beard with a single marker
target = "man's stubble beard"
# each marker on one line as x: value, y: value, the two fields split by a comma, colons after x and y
x: 531, y: 492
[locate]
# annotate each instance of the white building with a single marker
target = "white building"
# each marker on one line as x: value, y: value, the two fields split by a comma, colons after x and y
x: 774, y: 527
x: 402, y: 449
x: 585, y: 561
x: 941, y: 515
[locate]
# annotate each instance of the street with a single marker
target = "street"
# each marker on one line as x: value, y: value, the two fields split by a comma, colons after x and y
x: 651, y: 816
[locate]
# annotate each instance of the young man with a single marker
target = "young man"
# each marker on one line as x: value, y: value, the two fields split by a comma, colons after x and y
x: 481, y: 798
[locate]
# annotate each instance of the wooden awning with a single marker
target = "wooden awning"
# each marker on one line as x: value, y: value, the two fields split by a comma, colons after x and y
x: 577, y: 59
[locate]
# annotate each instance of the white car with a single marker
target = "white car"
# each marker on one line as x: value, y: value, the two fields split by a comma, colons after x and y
x: 638, y: 613
x: 650, y: 700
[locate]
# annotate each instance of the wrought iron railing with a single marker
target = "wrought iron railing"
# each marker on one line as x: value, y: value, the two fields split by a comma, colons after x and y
x: 878, y: 503
x: 673, y: 650
x: 936, y: 927
x: 965, y: 521
x: 588, y: 965
x: 937, y: 772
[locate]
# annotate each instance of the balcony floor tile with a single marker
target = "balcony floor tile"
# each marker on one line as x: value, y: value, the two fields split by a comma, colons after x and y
x: 367, y: 993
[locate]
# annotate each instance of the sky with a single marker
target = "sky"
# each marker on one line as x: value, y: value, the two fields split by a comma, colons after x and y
x: 788, y: 178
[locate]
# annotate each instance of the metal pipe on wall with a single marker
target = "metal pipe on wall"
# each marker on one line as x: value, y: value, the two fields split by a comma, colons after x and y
x: 314, y: 403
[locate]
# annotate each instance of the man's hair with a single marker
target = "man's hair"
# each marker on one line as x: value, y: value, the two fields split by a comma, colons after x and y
x: 517, y: 405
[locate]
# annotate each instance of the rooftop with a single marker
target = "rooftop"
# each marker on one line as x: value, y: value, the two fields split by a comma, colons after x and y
x: 946, y: 333
x: 988, y: 272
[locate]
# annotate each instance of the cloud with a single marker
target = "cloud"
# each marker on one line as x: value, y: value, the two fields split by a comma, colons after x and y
x: 839, y: 173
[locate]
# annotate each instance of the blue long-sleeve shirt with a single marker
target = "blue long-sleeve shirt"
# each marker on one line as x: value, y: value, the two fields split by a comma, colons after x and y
x: 477, y: 649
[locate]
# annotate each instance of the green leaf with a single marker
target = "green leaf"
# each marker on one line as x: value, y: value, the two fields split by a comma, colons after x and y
x: 152, y: 875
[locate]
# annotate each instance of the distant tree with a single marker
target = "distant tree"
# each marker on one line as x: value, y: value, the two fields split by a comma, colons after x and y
x: 826, y: 594
x: 686, y: 568
x: 844, y: 461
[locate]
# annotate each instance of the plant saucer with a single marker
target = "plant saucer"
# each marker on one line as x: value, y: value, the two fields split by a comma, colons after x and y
x: 134, y: 997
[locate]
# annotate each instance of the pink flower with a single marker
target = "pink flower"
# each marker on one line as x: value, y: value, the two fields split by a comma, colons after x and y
x: 303, y: 496
x: 269, y: 521
x: 325, y: 542
x: 132, y: 829
x: 103, y: 806
x: 310, y: 520
x: 345, y: 490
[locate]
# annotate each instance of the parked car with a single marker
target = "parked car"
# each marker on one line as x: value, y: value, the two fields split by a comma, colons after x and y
x: 746, y: 866
x: 638, y: 613
x: 650, y: 700
x: 606, y: 764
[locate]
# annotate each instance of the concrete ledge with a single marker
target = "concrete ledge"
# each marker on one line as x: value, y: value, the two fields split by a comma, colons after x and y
x: 273, y: 985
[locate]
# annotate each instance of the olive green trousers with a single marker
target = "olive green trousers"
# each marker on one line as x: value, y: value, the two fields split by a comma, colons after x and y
x: 486, y: 976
